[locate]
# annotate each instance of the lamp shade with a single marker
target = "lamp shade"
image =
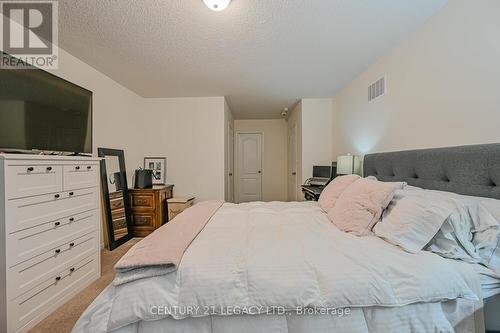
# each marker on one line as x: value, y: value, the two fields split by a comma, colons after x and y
x: 347, y: 164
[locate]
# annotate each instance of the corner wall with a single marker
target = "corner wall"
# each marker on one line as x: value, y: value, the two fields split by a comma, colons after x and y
x: 317, y: 136
x: 188, y: 131
x: 442, y: 87
x: 116, y: 116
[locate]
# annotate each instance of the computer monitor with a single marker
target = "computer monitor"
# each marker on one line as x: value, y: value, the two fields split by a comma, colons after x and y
x: 322, y: 171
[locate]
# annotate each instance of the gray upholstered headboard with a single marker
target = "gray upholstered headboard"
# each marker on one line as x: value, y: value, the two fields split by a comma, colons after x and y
x: 470, y: 170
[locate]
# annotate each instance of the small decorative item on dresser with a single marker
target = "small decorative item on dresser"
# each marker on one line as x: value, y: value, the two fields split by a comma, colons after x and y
x: 178, y: 205
x: 159, y: 167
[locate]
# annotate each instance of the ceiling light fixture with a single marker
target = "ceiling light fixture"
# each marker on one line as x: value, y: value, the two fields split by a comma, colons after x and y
x: 217, y: 5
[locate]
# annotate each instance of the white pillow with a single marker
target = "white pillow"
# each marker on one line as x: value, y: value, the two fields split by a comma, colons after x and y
x: 471, y: 235
x: 413, y: 218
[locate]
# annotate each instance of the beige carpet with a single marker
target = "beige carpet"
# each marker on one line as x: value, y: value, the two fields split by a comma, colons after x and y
x: 64, y: 318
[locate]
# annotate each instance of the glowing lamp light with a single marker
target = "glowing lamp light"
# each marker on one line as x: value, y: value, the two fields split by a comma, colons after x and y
x: 217, y: 5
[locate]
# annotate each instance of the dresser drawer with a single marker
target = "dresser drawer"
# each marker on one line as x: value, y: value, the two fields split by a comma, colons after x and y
x: 30, y: 212
x: 29, y: 274
x: 28, y: 243
x: 80, y: 176
x: 43, y: 299
x: 30, y: 180
x: 139, y: 201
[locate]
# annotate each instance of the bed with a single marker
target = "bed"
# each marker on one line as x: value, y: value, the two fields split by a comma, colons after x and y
x: 283, y: 267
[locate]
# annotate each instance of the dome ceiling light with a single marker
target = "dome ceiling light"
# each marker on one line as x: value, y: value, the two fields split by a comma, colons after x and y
x: 217, y: 5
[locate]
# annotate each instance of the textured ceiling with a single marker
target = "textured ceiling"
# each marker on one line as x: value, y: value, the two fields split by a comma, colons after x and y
x: 262, y: 54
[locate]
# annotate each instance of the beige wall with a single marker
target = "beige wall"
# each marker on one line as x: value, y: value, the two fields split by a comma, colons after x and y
x: 274, y: 160
x: 313, y: 118
x: 443, y: 87
x: 116, y: 120
x: 190, y: 133
x: 317, y: 135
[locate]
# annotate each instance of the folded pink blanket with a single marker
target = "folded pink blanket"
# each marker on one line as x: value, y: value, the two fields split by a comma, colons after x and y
x: 164, y: 248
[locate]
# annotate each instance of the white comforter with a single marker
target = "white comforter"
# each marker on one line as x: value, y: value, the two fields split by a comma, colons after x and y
x: 259, y: 256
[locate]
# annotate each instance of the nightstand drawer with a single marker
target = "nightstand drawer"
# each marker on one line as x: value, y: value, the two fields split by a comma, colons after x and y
x: 143, y: 219
x: 142, y: 201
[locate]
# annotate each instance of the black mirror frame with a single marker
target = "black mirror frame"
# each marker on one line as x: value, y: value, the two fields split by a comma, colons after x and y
x: 103, y: 152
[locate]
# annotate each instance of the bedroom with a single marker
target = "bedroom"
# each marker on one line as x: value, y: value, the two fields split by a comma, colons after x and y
x: 178, y: 87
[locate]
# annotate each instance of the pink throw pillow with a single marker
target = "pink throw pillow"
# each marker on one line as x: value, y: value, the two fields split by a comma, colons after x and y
x: 333, y: 191
x: 360, y: 206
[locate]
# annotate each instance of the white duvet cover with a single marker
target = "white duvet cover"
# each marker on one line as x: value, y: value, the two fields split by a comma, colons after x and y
x: 270, y: 257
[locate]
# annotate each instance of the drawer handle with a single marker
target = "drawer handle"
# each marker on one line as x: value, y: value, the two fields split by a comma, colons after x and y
x: 57, y: 196
x: 89, y: 167
x: 49, y: 168
x: 77, y: 167
x: 71, y: 193
x: 57, y: 224
x: 71, y: 244
x: 58, y: 278
x: 72, y: 269
x: 57, y: 251
x: 71, y: 219
x: 30, y: 169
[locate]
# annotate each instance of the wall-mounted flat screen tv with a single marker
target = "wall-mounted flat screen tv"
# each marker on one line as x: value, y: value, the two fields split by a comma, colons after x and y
x: 42, y: 112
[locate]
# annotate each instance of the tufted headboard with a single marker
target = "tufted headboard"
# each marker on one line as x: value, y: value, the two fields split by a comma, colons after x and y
x: 469, y: 170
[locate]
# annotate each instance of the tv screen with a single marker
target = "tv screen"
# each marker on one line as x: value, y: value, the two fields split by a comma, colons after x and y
x: 40, y: 111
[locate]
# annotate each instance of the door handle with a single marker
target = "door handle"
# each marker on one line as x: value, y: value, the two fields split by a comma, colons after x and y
x: 230, y: 174
x: 294, y: 173
x: 259, y: 171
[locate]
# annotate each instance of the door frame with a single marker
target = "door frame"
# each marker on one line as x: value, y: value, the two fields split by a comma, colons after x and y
x: 237, y: 166
x: 231, y: 174
x: 294, y: 197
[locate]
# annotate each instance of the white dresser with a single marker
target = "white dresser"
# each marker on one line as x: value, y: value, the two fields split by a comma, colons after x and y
x: 49, y: 234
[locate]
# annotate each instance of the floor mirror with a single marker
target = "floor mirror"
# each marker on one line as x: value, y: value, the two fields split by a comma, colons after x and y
x: 115, y: 197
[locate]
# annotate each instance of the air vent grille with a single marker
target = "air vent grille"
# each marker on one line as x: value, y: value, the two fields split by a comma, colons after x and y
x: 376, y: 89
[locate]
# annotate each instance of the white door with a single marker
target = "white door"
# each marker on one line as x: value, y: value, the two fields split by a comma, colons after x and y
x: 292, y: 163
x: 249, y: 167
x: 230, y: 162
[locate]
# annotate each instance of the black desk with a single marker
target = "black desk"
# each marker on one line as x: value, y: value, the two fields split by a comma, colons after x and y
x: 312, y: 192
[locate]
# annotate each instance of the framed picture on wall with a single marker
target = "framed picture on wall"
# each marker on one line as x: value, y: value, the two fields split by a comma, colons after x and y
x: 159, y: 167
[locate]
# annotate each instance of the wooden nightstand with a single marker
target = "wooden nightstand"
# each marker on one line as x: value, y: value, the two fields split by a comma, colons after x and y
x: 149, y: 211
x: 178, y: 205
